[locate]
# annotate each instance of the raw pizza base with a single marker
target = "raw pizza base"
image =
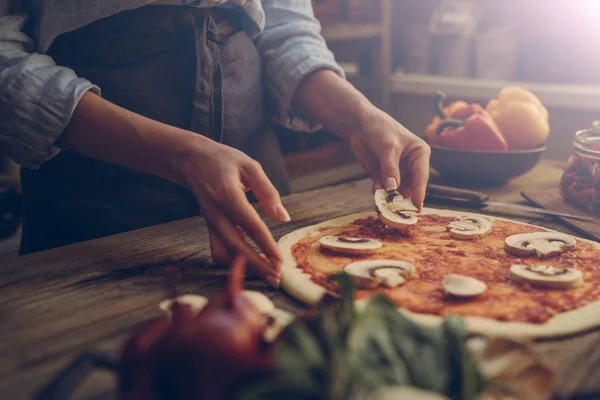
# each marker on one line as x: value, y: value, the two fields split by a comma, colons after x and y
x: 300, y: 286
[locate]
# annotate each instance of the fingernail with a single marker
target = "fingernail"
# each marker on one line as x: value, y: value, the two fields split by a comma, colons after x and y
x: 282, y: 213
x: 273, y: 281
x: 275, y: 260
x: 391, y: 184
x: 275, y: 274
x: 276, y: 263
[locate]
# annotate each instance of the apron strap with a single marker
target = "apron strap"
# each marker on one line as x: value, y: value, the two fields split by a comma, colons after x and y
x: 208, y: 92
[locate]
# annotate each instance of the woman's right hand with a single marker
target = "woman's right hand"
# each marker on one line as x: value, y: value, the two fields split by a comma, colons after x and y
x: 219, y: 176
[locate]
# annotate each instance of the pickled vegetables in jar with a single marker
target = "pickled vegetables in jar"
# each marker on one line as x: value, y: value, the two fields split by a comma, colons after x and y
x: 580, y: 182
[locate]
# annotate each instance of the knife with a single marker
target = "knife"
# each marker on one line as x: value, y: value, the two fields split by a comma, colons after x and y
x: 473, y: 199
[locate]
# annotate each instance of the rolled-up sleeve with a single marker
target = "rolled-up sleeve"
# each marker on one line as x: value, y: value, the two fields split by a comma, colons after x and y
x: 37, y: 97
x: 292, y: 47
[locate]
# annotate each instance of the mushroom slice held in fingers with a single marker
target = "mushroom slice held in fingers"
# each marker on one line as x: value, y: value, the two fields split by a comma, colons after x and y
x: 463, y: 286
x: 542, y: 244
x: 546, y: 276
x: 469, y: 228
x: 350, y: 245
x: 394, y: 210
x: 372, y: 273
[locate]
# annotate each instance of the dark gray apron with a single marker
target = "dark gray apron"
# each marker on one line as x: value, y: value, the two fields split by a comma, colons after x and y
x: 189, y: 67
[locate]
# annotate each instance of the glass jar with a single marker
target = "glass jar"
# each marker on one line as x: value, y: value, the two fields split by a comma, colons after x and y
x: 580, y: 182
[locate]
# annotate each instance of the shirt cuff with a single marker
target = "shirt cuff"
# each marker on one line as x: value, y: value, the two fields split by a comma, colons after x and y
x: 38, y: 111
x: 285, y: 76
x: 35, y: 148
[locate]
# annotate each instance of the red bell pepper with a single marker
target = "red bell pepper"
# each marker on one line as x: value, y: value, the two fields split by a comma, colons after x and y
x: 464, y: 126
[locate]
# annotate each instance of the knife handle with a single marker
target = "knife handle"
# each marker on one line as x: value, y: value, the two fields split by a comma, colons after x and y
x: 450, y: 193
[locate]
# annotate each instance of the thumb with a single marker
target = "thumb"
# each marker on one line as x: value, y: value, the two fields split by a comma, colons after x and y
x: 390, y: 170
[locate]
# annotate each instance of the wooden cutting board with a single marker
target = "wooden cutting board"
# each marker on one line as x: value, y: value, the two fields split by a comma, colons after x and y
x: 552, y: 200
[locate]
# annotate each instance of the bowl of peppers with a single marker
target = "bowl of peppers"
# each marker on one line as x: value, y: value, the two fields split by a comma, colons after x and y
x: 492, y: 144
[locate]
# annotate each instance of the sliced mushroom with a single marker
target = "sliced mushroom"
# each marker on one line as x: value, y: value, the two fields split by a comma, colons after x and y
x: 463, y: 286
x: 372, y: 273
x: 259, y: 301
x: 277, y: 321
x: 542, y: 244
x: 350, y: 245
x: 195, y: 302
x: 470, y: 228
x: 546, y: 276
x: 394, y: 210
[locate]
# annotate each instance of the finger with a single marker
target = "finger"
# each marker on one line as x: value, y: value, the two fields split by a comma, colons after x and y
x: 239, y: 210
x: 234, y: 241
x: 273, y: 280
x: 268, y: 197
x: 390, y: 168
x: 365, y: 158
x: 420, y: 174
x: 405, y: 179
x: 220, y: 253
x: 405, y: 190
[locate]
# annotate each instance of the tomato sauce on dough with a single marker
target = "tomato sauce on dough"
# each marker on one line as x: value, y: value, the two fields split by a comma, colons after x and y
x: 429, y: 247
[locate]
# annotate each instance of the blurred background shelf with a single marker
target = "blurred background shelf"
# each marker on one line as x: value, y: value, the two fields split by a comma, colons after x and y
x: 326, y: 177
x: 564, y: 96
x: 315, y: 160
x: 329, y: 164
x: 366, y: 46
x: 363, y: 83
x: 348, y: 31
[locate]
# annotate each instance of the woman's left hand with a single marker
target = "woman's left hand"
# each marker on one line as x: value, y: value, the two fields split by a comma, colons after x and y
x: 392, y: 156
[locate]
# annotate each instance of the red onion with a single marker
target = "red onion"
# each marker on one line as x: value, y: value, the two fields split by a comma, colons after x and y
x: 203, y: 356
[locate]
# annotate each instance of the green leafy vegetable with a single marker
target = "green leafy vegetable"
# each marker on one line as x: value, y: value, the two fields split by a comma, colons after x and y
x: 343, y: 355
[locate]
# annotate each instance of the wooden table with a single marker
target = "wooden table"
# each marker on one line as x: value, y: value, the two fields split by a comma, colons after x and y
x: 58, y: 303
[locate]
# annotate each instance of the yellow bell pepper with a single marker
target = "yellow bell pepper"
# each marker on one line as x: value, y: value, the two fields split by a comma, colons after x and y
x: 521, y: 117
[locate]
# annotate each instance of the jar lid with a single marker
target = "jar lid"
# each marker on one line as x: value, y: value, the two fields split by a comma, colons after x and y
x: 588, y: 140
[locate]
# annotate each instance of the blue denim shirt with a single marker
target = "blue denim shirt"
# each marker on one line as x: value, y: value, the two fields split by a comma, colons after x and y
x: 38, y: 97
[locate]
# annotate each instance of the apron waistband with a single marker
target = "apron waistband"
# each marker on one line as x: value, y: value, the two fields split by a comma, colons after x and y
x: 227, y: 20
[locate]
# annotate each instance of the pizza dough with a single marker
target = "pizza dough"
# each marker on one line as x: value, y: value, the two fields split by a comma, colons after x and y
x: 300, y: 286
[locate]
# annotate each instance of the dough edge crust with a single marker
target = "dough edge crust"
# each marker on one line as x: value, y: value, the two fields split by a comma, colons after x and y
x: 300, y: 286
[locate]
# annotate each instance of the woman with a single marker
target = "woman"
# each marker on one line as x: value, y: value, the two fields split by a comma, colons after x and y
x: 130, y: 113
